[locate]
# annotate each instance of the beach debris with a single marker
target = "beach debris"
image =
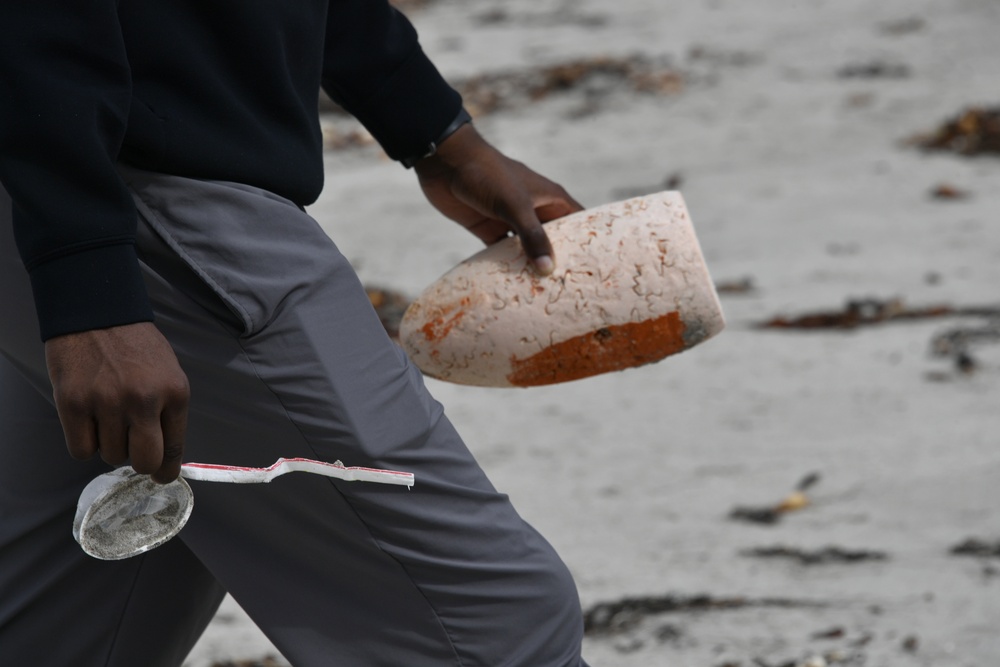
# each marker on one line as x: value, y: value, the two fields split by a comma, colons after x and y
x: 737, y: 286
x: 874, y: 70
x: 977, y: 547
x: 792, y: 502
x: 389, y: 305
x: 771, y: 514
x: 957, y: 343
x: 608, y: 618
x: 974, y: 131
x: 121, y: 514
x: 824, y: 556
x: 492, y: 321
x: 868, y: 311
x: 855, y: 313
x: 948, y: 192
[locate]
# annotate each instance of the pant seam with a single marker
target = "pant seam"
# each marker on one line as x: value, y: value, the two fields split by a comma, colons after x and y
x: 347, y: 501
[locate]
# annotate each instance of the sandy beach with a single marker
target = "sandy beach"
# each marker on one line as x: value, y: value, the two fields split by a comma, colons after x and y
x: 789, y: 128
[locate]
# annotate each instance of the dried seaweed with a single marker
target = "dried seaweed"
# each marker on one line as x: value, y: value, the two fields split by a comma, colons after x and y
x: 771, y: 514
x: 864, y: 312
x: 975, y: 131
x: 824, y: 556
x: 830, y: 633
x: 606, y: 618
x: 976, y: 547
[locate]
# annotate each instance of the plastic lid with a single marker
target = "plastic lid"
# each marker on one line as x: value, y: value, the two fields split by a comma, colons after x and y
x: 122, y: 514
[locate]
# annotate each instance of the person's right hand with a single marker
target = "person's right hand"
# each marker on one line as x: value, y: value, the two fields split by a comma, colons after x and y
x: 489, y: 194
x: 121, y: 392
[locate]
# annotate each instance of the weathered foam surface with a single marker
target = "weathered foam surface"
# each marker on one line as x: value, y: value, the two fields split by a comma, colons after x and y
x: 630, y: 288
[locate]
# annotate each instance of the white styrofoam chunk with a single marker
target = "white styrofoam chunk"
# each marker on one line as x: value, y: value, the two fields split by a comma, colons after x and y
x: 630, y: 288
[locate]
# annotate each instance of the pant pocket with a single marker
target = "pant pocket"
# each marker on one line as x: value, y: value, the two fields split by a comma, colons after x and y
x: 251, y: 248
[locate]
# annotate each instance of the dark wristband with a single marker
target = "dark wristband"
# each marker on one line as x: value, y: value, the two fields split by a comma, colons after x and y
x: 461, y: 119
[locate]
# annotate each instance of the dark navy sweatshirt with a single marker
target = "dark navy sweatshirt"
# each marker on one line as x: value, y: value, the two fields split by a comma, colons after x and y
x: 215, y: 89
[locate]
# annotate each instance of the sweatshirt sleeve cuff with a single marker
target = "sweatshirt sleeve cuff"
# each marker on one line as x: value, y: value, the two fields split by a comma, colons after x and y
x: 94, y: 289
x: 412, y: 108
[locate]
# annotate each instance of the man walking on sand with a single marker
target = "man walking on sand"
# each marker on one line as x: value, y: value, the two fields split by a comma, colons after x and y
x: 164, y: 295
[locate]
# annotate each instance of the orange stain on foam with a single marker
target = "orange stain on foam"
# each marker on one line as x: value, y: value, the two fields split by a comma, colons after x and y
x: 612, y: 348
x: 440, y: 326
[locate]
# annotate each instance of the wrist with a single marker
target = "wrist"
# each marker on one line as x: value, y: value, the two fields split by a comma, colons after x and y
x: 463, y: 118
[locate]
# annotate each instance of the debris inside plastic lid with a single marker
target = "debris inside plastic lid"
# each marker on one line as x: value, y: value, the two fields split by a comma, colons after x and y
x: 122, y: 514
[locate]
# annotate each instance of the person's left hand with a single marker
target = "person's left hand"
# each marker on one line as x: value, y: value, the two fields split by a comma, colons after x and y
x: 489, y: 194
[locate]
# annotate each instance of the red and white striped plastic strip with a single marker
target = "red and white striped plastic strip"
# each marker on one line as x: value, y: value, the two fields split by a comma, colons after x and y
x: 210, y: 472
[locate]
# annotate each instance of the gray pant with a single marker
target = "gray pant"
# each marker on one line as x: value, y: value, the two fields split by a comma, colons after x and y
x: 285, y: 357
